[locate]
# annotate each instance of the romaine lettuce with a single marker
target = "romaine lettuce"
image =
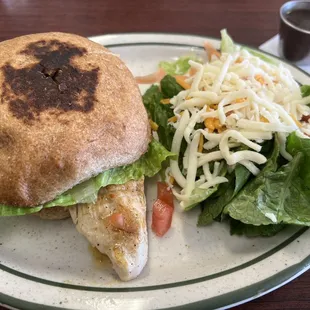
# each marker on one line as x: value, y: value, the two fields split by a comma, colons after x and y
x: 295, y: 145
x: 305, y: 90
x: 228, y: 46
x: 170, y: 87
x: 178, y: 67
x: 277, y: 195
x: 227, y: 43
x: 239, y: 228
x: 160, y: 114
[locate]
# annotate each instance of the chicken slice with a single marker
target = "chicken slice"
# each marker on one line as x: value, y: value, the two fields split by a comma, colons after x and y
x: 116, y: 226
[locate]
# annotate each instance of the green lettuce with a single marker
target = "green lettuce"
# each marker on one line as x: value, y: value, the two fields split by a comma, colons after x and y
x: 278, y: 195
x: 148, y: 165
x: 159, y: 113
x: 242, y: 175
x: 239, y: 228
x: 178, y: 67
x: 228, y: 46
x: 295, y: 145
x: 170, y: 87
x: 305, y: 90
x: 214, y: 206
x: 198, y: 195
x: 227, y: 43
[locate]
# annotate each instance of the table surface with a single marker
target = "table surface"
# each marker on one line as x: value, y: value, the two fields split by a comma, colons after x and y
x: 250, y: 22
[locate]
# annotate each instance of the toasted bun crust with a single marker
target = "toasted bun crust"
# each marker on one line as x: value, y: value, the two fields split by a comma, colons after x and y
x: 69, y: 110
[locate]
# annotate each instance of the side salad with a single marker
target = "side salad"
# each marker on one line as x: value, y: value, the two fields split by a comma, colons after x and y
x: 239, y: 126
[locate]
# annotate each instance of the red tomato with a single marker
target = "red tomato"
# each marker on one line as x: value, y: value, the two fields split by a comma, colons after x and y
x: 161, y: 217
x: 164, y: 193
x: 117, y: 220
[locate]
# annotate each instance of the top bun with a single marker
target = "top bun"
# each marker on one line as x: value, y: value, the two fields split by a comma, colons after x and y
x: 69, y: 110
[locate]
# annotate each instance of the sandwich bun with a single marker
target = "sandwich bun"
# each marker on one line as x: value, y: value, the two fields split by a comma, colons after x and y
x: 69, y: 110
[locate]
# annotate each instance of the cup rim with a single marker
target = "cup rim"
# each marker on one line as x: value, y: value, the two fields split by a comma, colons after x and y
x: 289, y: 23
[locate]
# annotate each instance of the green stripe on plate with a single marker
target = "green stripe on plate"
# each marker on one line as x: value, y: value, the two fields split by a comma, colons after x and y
x: 160, y: 286
x: 248, y: 293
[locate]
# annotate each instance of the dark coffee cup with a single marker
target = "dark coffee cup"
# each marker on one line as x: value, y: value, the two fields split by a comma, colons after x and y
x: 295, y: 31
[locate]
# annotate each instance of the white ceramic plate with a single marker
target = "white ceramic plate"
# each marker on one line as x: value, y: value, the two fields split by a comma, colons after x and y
x: 47, y: 264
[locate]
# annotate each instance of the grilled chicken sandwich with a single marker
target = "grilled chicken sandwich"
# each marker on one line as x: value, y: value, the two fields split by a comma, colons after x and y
x: 74, y: 137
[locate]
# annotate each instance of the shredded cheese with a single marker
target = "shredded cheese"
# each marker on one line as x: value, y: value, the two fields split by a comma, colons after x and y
x: 230, y: 106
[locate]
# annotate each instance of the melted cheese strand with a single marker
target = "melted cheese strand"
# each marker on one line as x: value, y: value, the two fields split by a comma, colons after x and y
x: 195, y: 118
x: 175, y: 148
x: 206, y: 172
x: 250, y: 166
x: 283, y: 152
x: 198, y: 75
x: 216, y: 155
x: 246, y: 124
x: 216, y: 169
x: 215, y: 181
x: 219, y: 80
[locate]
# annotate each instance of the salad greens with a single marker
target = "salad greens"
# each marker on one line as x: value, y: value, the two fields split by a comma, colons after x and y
x: 273, y: 197
x: 254, y: 206
x: 239, y: 228
x: 169, y: 87
x: 178, y: 67
x: 148, y: 165
x: 213, y: 208
x: 228, y: 46
x: 296, y: 145
x: 199, y: 195
x: 305, y: 90
x: 159, y: 113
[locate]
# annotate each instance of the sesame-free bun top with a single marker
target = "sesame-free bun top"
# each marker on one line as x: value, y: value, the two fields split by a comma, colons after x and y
x: 69, y: 110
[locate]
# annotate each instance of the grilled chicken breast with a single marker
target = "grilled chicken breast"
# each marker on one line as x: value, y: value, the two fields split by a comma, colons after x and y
x: 116, y: 226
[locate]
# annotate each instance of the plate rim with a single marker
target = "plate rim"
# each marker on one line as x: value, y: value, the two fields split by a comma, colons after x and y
x: 234, y: 298
x: 169, y: 285
x: 255, y: 290
x: 181, y: 34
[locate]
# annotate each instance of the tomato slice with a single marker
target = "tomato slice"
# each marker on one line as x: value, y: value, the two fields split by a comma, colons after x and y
x: 117, y: 220
x: 164, y: 193
x: 161, y: 217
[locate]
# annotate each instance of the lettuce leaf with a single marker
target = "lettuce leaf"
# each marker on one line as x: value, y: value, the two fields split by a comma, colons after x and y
x: 239, y: 228
x: 227, y: 43
x: 213, y: 207
x: 199, y: 195
x: 305, y: 90
x: 170, y: 87
x: 295, y: 145
x: 228, y: 46
x: 148, y: 165
x: 275, y: 196
x: 159, y: 113
x: 242, y: 175
x: 178, y: 67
